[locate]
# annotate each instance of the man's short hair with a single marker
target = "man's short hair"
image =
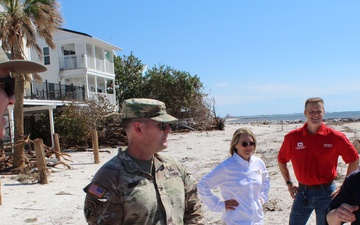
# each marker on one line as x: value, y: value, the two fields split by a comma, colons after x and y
x: 313, y: 100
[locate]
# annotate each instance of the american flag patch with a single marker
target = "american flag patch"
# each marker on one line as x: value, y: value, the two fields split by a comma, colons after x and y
x: 96, y: 190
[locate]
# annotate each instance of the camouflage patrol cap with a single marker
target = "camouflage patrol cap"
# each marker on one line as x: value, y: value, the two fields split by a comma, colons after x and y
x: 146, y: 108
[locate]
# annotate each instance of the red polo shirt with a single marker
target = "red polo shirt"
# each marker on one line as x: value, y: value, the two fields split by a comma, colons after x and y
x: 315, y: 157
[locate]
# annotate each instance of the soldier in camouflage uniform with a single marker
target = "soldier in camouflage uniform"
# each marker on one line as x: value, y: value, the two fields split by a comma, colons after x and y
x: 139, y: 185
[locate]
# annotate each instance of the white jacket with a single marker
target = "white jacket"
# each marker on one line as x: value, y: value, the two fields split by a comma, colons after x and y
x: 247, y: 182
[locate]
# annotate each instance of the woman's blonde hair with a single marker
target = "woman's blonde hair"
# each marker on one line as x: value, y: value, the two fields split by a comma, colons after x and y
x: 236, y: 138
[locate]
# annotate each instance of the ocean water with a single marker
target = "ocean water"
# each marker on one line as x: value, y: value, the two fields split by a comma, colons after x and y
x: 292, y: 117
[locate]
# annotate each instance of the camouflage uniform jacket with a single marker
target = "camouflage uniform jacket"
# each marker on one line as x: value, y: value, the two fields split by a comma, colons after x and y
x: 121, y: 193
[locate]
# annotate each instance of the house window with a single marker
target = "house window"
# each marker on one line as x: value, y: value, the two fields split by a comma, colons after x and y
x: 68, y: 49
x: 46, y: 53
x: 107, y: 56
x: 68, y: 52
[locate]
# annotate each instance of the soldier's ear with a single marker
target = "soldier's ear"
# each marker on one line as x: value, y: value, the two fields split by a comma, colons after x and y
x: 137, y: 127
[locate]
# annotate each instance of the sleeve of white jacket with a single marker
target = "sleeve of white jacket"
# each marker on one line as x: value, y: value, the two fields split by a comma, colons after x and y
x: 265, y: 188
x: 210, y: 181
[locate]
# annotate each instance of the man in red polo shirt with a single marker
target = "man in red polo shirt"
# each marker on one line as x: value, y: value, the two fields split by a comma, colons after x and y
x: 314, y: 150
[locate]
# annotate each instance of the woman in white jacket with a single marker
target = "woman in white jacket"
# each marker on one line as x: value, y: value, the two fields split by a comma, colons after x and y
x: 243, y: 182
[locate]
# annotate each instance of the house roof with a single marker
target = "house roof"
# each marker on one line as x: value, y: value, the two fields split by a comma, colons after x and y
x: 116, y: 48
x: 75, y: 32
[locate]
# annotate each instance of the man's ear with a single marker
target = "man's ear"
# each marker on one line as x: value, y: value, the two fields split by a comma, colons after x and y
x: 137, y: 127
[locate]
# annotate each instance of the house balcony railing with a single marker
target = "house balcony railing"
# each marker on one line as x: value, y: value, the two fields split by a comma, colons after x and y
x: 110, y: 97
x: 71, y: 62
x: 56, y: 91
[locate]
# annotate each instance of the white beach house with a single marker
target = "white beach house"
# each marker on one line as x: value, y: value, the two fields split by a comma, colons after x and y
x: 81, y: 67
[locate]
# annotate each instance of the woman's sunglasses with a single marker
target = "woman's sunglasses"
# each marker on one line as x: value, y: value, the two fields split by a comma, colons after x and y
x: 245, y: 144
x: 8, y: 84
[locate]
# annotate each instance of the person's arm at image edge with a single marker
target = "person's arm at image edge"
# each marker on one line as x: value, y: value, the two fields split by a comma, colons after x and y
x: 342, y: 214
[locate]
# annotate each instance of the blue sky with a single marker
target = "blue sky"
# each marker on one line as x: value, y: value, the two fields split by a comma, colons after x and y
x: 253, y: 57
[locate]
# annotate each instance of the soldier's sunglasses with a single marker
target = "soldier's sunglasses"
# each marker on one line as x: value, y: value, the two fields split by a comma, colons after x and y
x: 8, y: 84
x: 162, y: 126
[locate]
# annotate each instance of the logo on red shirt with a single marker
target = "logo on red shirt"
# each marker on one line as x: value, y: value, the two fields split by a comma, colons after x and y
x: 299, y: 146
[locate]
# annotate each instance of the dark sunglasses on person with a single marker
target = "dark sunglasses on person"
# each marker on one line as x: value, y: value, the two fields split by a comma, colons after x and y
x: 8, y: 84
x: 245, y: 144
x: 163, y: 126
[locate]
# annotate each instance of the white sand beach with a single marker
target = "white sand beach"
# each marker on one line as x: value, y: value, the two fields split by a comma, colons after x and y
x: 61, y: 200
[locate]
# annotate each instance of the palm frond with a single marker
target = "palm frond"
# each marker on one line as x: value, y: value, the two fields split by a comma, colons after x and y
x: 36, y: 77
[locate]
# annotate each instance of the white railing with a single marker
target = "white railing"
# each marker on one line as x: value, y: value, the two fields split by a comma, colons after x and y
x: 99, y: 65
x: 109, y: 97
x: 90, y: 62
x: 109, y: 66
x: 71, y: 62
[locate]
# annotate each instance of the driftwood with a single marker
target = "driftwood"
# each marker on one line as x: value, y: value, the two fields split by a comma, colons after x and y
x: 95, y: 146
x: 40, y: 159
x: 6, y: 159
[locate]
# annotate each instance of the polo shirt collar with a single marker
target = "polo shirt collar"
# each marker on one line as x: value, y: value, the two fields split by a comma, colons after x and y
x: 320, y: 131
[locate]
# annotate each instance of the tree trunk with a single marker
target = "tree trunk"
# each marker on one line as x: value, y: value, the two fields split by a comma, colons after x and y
x: 19, y: 153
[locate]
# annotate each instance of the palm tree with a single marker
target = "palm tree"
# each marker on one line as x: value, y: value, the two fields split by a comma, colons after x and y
x: 20, y: 23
